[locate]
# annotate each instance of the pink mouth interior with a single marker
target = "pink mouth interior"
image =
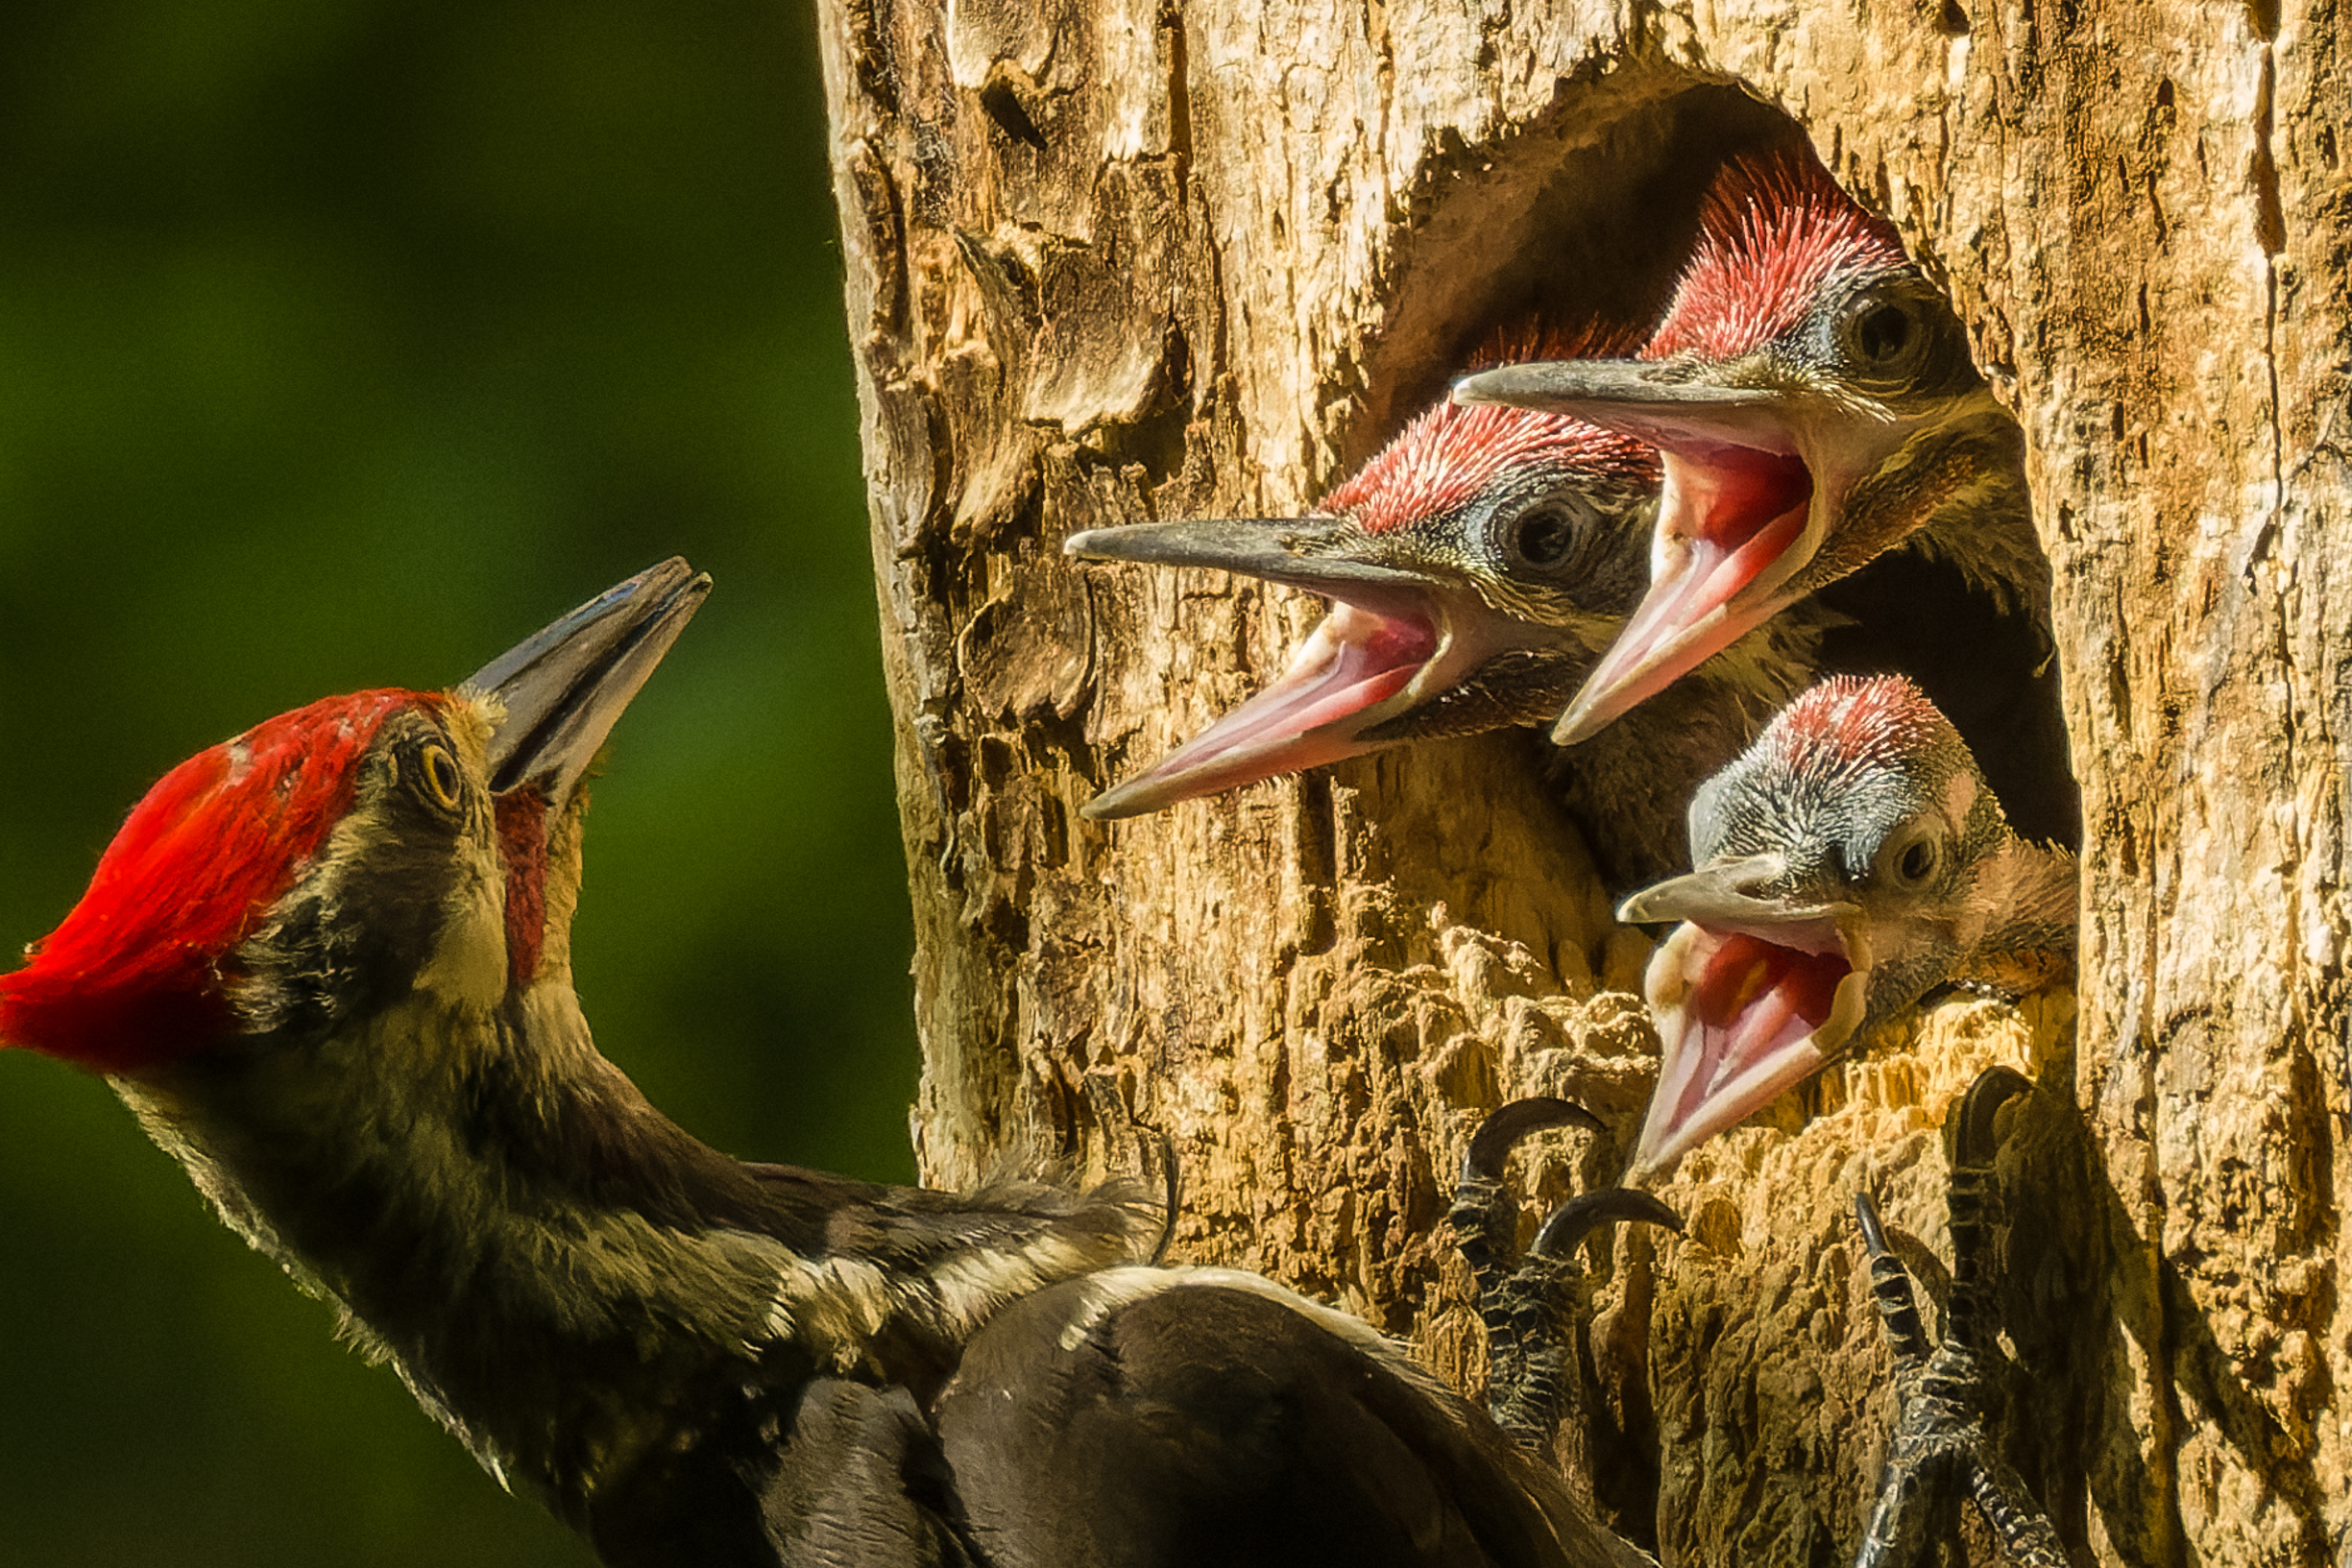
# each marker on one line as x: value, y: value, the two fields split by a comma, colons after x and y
x: 1752, y: 1000
x: 1734, y: 512
x: 1355, y: 660
x: 1743, y: 509
x: 1737, y: 491
x: 1748, y: 979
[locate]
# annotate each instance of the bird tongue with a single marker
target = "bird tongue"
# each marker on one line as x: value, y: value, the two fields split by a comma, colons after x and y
x: 1728, y: 518
x: 1745, y: 1019
x: 1356, y: 660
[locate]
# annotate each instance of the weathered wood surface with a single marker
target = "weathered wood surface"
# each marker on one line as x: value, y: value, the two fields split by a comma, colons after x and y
x: 1110, y: 261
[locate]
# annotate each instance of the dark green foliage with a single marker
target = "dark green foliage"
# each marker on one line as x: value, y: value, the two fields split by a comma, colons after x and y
x: 341, y: 344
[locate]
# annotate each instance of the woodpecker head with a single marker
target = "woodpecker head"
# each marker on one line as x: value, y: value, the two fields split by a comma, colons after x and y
x: 1813, y: 399
x: 1851, y: 861
x: 331, y: 859
x: 1478, y: 565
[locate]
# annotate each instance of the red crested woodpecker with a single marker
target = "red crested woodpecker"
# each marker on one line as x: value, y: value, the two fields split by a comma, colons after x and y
x: 1814, y: 404
x: 1852, y: 861
x: 1478, y: 566
x: 327, y: 964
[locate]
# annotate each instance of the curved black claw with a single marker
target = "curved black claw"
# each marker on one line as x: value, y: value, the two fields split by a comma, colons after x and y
x: 1581, y: 1215
x: 1890, y: 1287
x: 1527, y: 1304
x: 1979, y: 1142
x: 1943, y: 1441
x: 1502, y: 1129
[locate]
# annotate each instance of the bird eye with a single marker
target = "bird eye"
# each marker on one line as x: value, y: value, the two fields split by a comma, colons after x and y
x: 1913, y: 860
x: 437, y: 773
x: 1885, y: 331
x: 1545, y: 537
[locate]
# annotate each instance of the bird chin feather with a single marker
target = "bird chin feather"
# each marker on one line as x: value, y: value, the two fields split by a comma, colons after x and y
x: 1744, y: 1018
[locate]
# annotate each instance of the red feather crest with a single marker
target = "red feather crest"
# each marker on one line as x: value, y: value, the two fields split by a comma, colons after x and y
x: 1450, y: 452
x: 1771, y: 232
x: 1855, y: 718
x: 133, y: 974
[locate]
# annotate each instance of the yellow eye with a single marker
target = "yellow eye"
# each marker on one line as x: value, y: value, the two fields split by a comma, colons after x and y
x: 437, y: 770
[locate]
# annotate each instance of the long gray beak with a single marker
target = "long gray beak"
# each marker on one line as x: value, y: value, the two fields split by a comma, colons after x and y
x: 1675, y: 404
x: 1716, y: 895
x: 1301, y: 552
x: 563, y: 688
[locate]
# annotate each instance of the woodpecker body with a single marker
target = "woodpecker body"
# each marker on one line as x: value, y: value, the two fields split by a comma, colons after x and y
x: 1815, y: 407
x: 327, y: 964
x: 1480, y: 564
x: 1850, y: 862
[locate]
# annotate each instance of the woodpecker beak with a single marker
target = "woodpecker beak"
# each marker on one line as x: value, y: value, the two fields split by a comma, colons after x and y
x: 1745, y: 506
x: 559, y: 693
x: 1751, y: 996
x: 1394, y: 639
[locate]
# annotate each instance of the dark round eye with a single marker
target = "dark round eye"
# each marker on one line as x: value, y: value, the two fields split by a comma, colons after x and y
x: 1546, y: 536
x: 1884, y: 332
x: 438, y: 776
x: 1913, y: 858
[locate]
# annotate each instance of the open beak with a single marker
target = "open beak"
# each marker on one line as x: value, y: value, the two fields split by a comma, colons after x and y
x: 562, y: 689
x: 1751, y: 996
x: 1394, y: 639
x: 1737, y: 520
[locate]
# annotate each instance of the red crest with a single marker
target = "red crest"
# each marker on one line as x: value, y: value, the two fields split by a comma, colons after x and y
x: 1450, y: 452
x: 1851, y: 720
x: 134, y: 974
x: 1772, y: 231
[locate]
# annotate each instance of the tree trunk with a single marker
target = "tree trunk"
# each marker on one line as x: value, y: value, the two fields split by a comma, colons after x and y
x: 1113, y: 261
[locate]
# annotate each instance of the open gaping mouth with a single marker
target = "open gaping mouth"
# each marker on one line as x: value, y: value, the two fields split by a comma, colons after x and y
x: 1743, y: 1019
x: 1732, y: 526
x: 1751, y: 995
x: 1395, y: 639
x: 1339, y: 685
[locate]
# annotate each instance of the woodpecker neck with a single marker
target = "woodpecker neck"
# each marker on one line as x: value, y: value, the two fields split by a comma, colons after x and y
x: 564, y: 1276
x: 1956, y: 489
x: 2038, y: 892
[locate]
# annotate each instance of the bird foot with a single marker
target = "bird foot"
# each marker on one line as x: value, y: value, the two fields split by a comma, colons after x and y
x: 1527, y: 1301
x: 1944, y: 1444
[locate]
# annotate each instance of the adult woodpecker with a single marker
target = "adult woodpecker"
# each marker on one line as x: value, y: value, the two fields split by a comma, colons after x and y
x: 1814, y: 404
x: 327, y: 964
x: 1478, y: 566
x: 1850, y: 862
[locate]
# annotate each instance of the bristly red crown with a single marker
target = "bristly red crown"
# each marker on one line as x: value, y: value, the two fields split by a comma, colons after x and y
x: 1772, y: 231
x: 1451, y: 452
x: 135, y: 974
x: 1851, y: 722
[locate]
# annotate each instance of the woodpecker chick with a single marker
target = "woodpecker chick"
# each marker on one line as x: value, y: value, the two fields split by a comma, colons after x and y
x: 1478, y: 566
x: 1814, y: 404
x: 1850, y: 862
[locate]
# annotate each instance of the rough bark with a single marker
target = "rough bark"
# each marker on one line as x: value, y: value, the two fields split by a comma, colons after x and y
x: 1110, y: 261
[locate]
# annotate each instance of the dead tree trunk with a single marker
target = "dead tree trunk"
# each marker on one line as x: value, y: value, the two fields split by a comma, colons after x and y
x: 1111, y: 261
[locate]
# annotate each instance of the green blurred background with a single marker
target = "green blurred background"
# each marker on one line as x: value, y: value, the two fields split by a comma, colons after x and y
x: 341, y: 344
